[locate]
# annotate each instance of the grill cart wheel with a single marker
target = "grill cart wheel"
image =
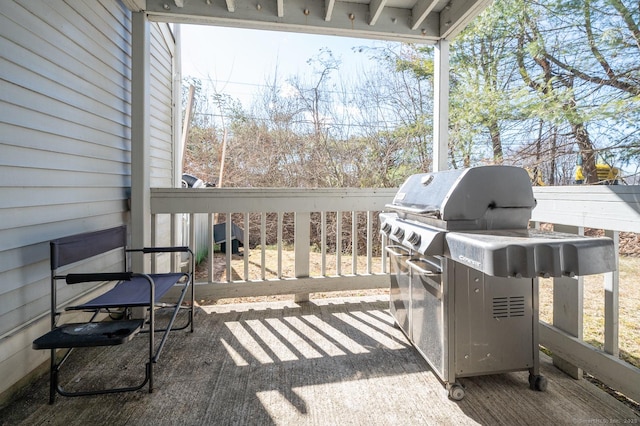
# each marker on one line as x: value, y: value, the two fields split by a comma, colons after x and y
x: 537, y: 383
x: 456, y: 392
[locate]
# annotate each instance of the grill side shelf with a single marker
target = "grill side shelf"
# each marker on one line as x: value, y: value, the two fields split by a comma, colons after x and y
x: 531, y: 253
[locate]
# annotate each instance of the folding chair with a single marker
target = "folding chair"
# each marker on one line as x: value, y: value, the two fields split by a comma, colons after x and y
x: 132, y: 290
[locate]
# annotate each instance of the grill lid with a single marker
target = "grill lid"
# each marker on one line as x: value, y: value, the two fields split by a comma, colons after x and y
x: 485, y: 197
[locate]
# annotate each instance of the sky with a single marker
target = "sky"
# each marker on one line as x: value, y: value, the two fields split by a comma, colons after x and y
x: 239, y: 61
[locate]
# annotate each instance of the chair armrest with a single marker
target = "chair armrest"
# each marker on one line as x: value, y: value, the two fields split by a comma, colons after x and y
x: 103, y: 276
x: 180, y: 249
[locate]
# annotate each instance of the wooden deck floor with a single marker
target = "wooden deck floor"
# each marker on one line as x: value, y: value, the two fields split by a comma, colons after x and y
x: 327, y: 362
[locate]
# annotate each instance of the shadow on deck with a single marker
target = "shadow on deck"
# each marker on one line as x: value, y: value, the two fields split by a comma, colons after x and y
x: 327, y: 362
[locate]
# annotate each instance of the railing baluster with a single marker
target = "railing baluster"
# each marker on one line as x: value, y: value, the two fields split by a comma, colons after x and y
x: 263, y: 242
x: 301, y: 249
x: 245, y: 246
x: 228, y: 245
x: 323, y: 243
x: 354, y: 242
x: 192, y: 233
x: 369, y: 241
x: 383, y: 250
x: 338, y: 243
x: 172, y: 239
x: 154, y: 242
x: 279, y: 235
x: 210, y: 257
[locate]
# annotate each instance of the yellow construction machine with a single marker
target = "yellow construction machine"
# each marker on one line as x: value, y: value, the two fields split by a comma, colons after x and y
x: 608, y: 174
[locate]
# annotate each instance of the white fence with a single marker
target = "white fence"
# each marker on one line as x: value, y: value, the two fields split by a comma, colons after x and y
x: 360, y: 206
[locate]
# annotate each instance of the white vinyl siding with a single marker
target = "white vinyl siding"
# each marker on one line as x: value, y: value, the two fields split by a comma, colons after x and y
x: 65, y: 149
x: 161, y: 121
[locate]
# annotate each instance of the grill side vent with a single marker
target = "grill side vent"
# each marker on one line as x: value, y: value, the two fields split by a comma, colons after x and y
x: 507, y: 307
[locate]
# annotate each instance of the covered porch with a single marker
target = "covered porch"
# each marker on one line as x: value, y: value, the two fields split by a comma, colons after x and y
x: 329, y: 361
x: 322, y: 361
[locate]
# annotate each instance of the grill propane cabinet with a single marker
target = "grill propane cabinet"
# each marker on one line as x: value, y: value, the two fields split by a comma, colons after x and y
x: 465, y: 267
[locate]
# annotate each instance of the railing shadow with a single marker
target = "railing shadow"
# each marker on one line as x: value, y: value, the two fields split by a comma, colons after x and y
x: 321, y: 362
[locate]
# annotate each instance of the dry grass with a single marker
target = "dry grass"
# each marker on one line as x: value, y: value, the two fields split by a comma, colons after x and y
x: 629, y: 296
x: 593, y: 322
x: 286, y: 270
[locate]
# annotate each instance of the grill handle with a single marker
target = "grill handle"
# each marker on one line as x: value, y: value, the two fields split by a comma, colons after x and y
x: 431, y: 278
x: 414, y: 265
x: 398, y: 251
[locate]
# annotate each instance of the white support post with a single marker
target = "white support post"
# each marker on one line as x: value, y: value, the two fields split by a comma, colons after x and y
x: 176, y: 105
x: 440, y: 106
x: 568, y: 307
x: 140, y: 140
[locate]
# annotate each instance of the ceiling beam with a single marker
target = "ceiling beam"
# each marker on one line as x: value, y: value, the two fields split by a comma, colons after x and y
x: 135, y: 5
x: 328, y: 9
x: 375, y: 10
x: 280, y: 8
x: 347, y: 19
x: 420, y: 11
x: 457, y: 14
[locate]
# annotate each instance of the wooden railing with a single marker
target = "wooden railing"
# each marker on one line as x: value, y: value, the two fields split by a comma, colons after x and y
x: 613, y: 209
x: 570, y: 209
x: 308, y: 207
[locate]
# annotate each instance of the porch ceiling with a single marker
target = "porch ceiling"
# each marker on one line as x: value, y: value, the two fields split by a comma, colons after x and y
x: 418, y: 21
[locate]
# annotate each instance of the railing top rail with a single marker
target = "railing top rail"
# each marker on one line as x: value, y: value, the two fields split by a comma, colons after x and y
x: 613, y: 207
x: 237, y: 200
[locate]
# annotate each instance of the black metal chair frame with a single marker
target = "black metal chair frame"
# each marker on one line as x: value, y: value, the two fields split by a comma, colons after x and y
x: 132, y: 290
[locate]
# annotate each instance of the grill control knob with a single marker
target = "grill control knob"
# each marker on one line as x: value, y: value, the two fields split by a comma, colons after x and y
x: 398, y: 233
x: 414, y: 238
x: 386, y: 228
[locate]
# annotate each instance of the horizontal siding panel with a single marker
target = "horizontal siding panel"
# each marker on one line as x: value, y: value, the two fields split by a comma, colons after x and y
x: 14, y: 96
x: 64, y: 86
x: 23, y: 314
x: 110, y: 28
x: 22, y: 217
x: 92, y: 60
x: 162, y: 151
x: 12, y: 279
x: 160, y: 128
x: 161, y: 111
x: 32, y: 254
x: 65, y: 162
x: 61, y: 64
x: 159, y: 166
x: 94, y: 144
x: 110, y: 107
x: 25, y: 121
x: 13, y: 197
x: 40, y: 284
x: 45, y: 231
x: 15, y: 176
x: 26, y: 256
x: 17, y: 156
x: 67, y: 139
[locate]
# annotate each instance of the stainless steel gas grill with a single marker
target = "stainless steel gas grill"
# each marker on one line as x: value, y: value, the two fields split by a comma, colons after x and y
x: 464, y: 269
